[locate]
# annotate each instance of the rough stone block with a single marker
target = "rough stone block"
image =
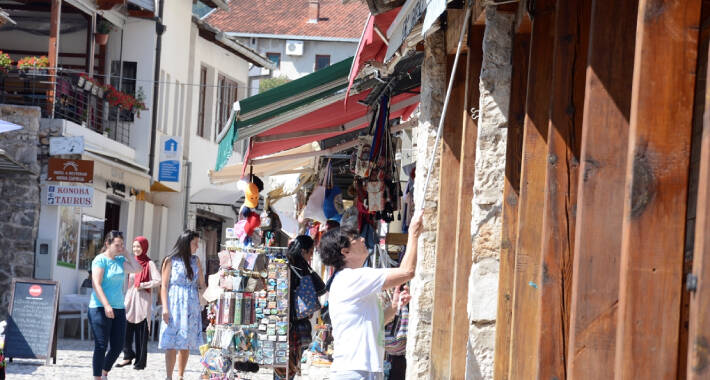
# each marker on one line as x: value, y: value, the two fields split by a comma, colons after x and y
x: 483, y: 291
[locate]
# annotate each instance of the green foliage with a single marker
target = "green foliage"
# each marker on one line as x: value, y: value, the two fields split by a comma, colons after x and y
x: 103, y: 27
x: 268, y: 84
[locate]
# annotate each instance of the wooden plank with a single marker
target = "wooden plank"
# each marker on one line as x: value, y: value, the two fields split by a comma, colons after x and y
x: 655, y: 202
x: 563, y: 152
x: 511, y: 191
x: 526, y: 297
x: 597, y: 243
x: 694, y: 171
x: 454, y: 22
x: 394, y: 238
x: 446, y: 235
x: 464, y: 256
x: 698, y: 362
x: 53, y: 50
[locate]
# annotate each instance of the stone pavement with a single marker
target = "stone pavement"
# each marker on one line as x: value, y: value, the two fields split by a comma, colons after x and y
x: 74, y: 362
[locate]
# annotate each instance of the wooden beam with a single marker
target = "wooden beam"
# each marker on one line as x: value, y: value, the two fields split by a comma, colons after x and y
x: 511, y: 192
x: 699, y: 348
x: 597, y: 243
x: 563, y: 147
x: 655, y: 202
x: 526, y: 296
x: 464, y: 249
x: 53, y: 51
x: 450, y: 160
x: 454, y: 22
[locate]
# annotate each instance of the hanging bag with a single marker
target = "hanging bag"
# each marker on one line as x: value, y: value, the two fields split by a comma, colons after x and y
x: 306, y: 299
x: 396, y: 333
x: 314, y: 207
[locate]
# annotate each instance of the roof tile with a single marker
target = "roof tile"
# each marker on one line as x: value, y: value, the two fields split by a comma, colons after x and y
x: 290, y: 17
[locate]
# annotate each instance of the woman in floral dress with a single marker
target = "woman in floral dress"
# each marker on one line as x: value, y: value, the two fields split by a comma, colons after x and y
x: 181, y: 328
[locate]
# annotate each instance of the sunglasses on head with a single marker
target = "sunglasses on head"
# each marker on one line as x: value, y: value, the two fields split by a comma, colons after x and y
x: 116, y: 233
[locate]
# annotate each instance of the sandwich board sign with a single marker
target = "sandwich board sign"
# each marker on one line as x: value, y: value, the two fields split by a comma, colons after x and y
x: 169, y: 159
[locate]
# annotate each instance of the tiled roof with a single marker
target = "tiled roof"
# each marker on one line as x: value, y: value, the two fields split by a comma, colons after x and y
x: 290, y: 17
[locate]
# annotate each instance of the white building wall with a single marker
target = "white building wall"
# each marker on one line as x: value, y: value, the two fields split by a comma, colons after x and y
x: 139, y: 40
x: 296, y: 66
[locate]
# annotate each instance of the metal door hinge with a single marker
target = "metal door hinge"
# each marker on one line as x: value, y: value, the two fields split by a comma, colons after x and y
x: 691, y: 282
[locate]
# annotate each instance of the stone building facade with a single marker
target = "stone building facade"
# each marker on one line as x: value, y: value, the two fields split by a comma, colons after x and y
x: 487, y: 201
x: 19, y: 199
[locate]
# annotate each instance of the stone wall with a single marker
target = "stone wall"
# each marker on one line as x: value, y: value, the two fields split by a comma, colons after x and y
x: 19, y: 199
x: 488, y: 192
x: 422, y: 286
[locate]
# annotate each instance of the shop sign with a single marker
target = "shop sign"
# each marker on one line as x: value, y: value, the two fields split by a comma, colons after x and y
x: 73, y: 196
x: 169, y: 159
x: 66, y: 145
x: 70, y: 170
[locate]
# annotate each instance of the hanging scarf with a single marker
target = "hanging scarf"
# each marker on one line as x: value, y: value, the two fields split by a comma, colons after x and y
x: 144, y: 260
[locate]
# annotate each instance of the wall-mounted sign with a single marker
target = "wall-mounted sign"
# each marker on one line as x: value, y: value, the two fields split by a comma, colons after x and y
x: 169, y: 159
x: 66, y: 145
x: 70, y: 170
x: 75, y: 196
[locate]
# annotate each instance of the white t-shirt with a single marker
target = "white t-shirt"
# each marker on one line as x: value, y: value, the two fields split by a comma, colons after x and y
x: 357, y: 318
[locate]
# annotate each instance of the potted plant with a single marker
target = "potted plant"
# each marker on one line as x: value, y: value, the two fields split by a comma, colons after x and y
x: 103, y: 28
x: 5, y: 63
x: 33, y: 65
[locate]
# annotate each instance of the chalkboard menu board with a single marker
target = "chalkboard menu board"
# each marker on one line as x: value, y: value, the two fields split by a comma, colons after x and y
x: 33, y: 315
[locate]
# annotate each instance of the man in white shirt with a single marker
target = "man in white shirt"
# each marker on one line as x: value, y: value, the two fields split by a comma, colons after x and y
x: 356, y: 314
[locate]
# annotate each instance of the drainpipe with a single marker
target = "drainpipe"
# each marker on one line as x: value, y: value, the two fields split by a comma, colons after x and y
x: 188, y: 168
x: 159, y: 30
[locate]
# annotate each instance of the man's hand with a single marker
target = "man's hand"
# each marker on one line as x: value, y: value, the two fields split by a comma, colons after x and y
x: 415, y: 228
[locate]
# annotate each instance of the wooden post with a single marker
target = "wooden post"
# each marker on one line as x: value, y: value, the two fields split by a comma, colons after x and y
x: 563, y: 146
x: 655, y: 202
x: 597, y: 243
x: 53, y: 52
x: 526, y: 297
x: 511, y: 191
x: 699, y: 340
x: 463, y: 260
x: 446, y: 232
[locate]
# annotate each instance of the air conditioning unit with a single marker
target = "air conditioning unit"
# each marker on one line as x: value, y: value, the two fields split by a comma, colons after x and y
x: 294, y: 47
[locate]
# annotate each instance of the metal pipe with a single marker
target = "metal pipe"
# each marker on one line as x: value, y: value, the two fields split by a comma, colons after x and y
x: 188, y: 168
x: 464, y: 29
x: 159, y: 29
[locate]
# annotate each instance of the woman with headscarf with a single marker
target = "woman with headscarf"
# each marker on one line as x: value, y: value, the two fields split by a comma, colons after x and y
x: 139, y: 303
x: 299, y: 253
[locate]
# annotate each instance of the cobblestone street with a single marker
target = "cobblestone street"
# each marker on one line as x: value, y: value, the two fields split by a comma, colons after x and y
x: 74, y: 362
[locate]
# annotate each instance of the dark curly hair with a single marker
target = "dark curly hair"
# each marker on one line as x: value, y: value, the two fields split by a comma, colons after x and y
x: 332, y: 242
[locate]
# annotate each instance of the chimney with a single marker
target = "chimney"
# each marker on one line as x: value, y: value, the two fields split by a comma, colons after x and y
x: 313, y: 11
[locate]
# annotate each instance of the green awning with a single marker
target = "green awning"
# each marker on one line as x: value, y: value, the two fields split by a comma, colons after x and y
x: 253, y: 113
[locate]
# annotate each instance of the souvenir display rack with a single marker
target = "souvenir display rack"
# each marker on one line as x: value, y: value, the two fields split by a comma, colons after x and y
x: 249, y: 322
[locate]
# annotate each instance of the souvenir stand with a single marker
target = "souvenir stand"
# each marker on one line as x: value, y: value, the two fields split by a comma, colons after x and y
x: 248, y: 312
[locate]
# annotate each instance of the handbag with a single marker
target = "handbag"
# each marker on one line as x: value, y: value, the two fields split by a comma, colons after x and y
x: 306, y: 299
x: 396, y: 333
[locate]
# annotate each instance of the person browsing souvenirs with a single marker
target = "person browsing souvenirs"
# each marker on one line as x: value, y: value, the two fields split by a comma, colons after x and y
x: 299, y: 254
x: 107, y: 314
x: 139, y: 304
x: 354, y: 306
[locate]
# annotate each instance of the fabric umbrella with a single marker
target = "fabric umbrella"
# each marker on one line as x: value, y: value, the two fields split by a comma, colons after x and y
x: 6, y: 126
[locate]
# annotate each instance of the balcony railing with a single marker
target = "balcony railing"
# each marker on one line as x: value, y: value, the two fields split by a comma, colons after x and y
x: 81, y: 105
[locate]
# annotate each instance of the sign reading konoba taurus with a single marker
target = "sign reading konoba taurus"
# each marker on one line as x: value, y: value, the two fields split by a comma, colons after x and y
x: 75, y: 196
x: 70, y: 170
